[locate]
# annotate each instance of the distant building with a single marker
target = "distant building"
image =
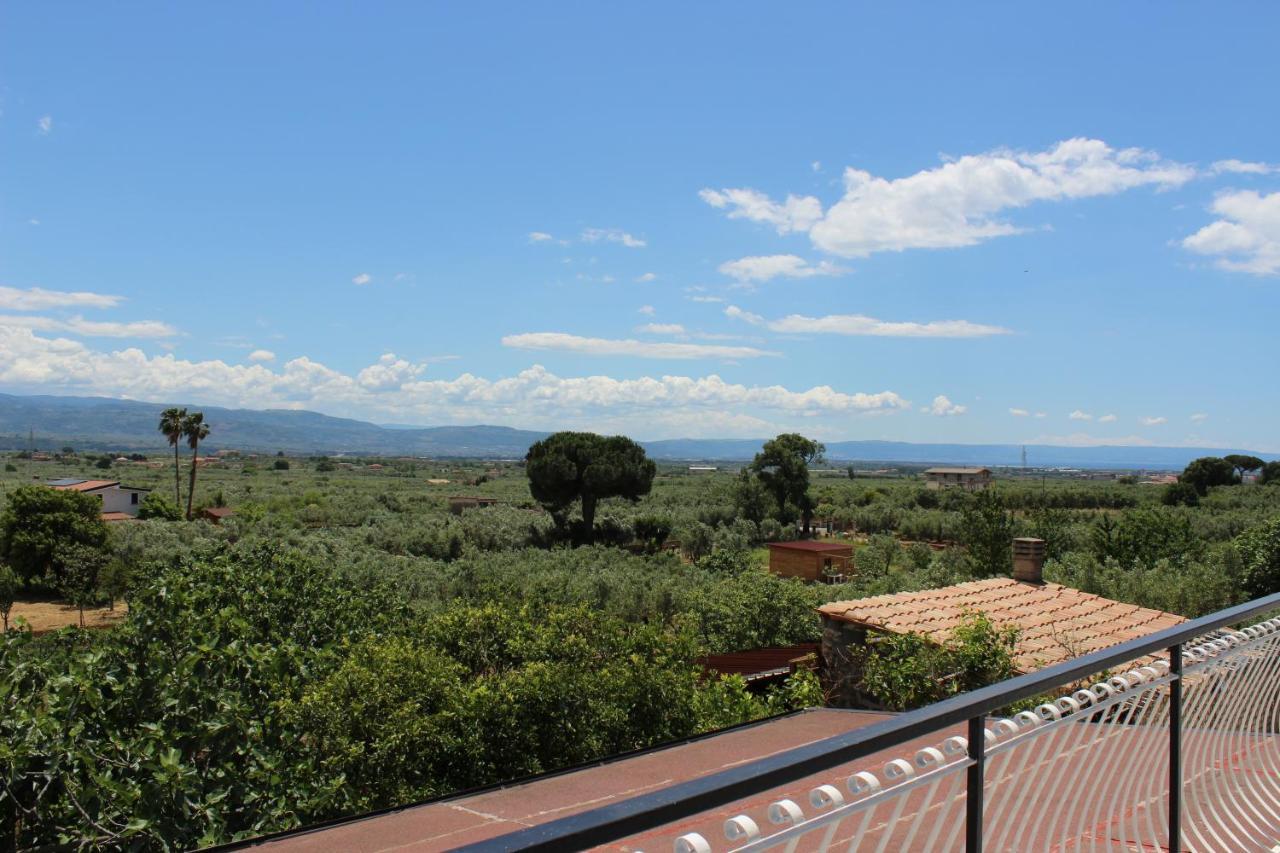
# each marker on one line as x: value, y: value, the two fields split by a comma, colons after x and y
x: 969, y: 479
x: 216, y: 514
x: 702, y: 469
x: 115, y: 497
x: 810, y: 560
x: 458, y: 504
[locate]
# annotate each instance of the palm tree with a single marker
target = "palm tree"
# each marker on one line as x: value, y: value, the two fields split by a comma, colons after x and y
x: 194, y: 428
x: 171, y: 424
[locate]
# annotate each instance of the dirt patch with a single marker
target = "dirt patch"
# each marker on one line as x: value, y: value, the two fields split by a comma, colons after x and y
x: 45, y: 616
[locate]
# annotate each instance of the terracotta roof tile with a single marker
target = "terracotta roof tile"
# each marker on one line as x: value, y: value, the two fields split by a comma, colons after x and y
x: 1055, y: 622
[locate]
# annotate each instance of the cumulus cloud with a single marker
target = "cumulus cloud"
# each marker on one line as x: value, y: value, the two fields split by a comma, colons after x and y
x: 943, y: 407
x: 392, y: 387
x: 540, y: 237
x: 862, y: 325
x: 646, y: 277
x: 1154, y: 421
x: 959, y: 203
x: 1019, y: 413
x: 561, y: 342
x: 647, y: 310
x: 1199, y: 417
x: 1107, y: 419
x: 1078, y: 415
x: 93, y: 328
x: 1247, y: 236
x: 766, y: 267
x: 390, y: 372
x: 44, y: 124
x: 262, y: 355
x: 612, y: 235
x: 661, y: 329
x: 707, y: 299
x: 39, y: 299
x: 1242, y: 167
x: 362, y: 279
x: 796, y: 213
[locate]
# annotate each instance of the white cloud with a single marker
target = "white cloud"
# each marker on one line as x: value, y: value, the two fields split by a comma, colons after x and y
x: 92, y: 328
x: 647, y: 310
x: 1199, y: 417
x: 1042, y: 414
x: 540, y: 237
x: 362, y: 278
x: 1107, y: 419
x: 1078, y: 415
x: 669, y: 405
x: 766, y: 267
x: 561, y: 342
x: 797, y: 213
x: 1247, y: 236
x: 861, y: 325
x: 943, y: 407
x: 661, y: 329
x: 390, y: 372
x: 1154, y: 421
x: 612, y: 235
x: 33, y: 221
x: 647, y: 277
x: 262, y: 355
x: 958, y: 203
x: 1242, y: 167
x: 1019, y: 413
x: 38, y: 299
x: 816, y: 165
x: 44, y: 124
x: 707, y: 299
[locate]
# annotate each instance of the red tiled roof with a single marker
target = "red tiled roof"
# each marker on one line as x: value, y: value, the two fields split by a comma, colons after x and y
x: 117, y: 516
x: 812, y: 545
x: 1055, y: 623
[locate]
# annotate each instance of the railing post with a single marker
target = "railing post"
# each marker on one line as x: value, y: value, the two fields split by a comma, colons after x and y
x: 973, y: 793
x: 1175, y: 749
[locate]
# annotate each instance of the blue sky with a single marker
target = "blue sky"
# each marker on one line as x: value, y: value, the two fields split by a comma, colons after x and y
x: 884, y: 221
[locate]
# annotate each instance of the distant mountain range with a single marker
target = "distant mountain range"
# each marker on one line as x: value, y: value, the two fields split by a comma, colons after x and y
x: 108, y: 424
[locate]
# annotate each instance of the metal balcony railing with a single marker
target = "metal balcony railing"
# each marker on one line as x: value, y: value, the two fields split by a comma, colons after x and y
x: 1167, y: 742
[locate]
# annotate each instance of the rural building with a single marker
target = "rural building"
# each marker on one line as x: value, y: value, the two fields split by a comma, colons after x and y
x: 1055, y: 623
x: 763, y: 667
x: 457, y: 504
x: 115, y: 497
x: 970, y: 479
x: 216, y: 514
x: 810, y: 559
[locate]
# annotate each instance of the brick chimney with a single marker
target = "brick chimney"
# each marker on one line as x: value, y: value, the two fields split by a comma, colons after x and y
x: 1028, y: 560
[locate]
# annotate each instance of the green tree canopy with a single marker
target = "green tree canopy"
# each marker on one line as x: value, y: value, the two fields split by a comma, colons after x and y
x: 1243, y: 463
x: 1208, y: 471
x: 581, y: 466
x: 783, y: 467
x: 1259, y: 549
x: 1270, y: 473
x: 39, y: 525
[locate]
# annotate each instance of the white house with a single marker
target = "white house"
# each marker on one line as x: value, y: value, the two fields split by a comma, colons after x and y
x: 970, y: 479
x: 116, y: 499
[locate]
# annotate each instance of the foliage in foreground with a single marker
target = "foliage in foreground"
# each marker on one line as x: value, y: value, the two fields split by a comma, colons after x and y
x: 252, y: 690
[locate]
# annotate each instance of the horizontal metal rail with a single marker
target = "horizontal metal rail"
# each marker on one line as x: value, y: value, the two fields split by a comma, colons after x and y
x: 648, y: 811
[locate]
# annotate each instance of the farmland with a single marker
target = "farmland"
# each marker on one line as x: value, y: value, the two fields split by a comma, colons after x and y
x: 346, y: 640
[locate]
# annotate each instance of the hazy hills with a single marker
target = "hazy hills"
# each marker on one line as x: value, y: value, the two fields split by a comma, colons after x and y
x: 103, y: 423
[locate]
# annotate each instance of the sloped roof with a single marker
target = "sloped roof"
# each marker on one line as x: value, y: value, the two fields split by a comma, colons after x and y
x: 81, y: 485
x: 1055, y: 623
x: 758, y: 663
x: 958, y: 471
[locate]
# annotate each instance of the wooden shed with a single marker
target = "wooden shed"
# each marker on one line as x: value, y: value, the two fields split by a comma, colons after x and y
x: 811, y: 560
